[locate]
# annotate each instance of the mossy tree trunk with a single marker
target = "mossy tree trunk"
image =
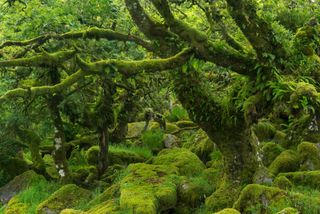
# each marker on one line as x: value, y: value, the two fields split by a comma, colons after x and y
x: 59, y: 152
x: 104, y: 119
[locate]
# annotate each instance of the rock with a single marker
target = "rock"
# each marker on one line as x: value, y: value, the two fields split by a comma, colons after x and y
x: 228, y: 211
x: 170, y: 141
x: 287, y: 161
x: 149, y: 189
x: 187, y: 162
x: 18, y: 184
x: 309, y: 155
x: 67, y: 196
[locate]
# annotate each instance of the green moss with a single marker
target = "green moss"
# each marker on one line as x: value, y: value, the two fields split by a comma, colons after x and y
x: 289, y: 210
x: 16, y: 206
x: 187, y: 162
x: 309, y: 155
x: 264, y: 130
x: 309, y: 178
x: 283, y: 183
x: 149, y: 188
x: 270, y: 151
x: 67, y: 196
x: 287, y: 161
x: 228, y: 211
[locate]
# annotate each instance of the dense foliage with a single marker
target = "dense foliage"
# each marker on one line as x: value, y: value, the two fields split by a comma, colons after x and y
x: 235, y: 81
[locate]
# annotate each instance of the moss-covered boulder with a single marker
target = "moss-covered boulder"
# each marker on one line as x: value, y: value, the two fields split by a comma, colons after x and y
x: 256, y: 198
x: 203, y: 148
x: 309, y: 155
x: 282, y: 182
x: 308, y: 178
x: 187, y: 162
x: 287, y: 161
x: 67, y: 196
x: 228, y: 211
x: 18, y: 184
x: 270, y: 151
x: 149, y: 188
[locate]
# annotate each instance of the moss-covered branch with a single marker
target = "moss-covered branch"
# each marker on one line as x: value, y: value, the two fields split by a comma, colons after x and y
x: 259, y: 33
x: 217, y: 52
x: 130, y: 68
x: 145, y: 23
x: 41, y: 60
x: 42, y: 90
x: 92, y: 33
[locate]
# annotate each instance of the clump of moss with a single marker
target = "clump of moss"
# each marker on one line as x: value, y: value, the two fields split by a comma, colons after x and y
x: 67, y: 196
x: 270, y: 151
x: 228, y: 211
x: 309, y: 155
x: 287, y: 161
x: 283, y: 183
x: 187, y: 162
